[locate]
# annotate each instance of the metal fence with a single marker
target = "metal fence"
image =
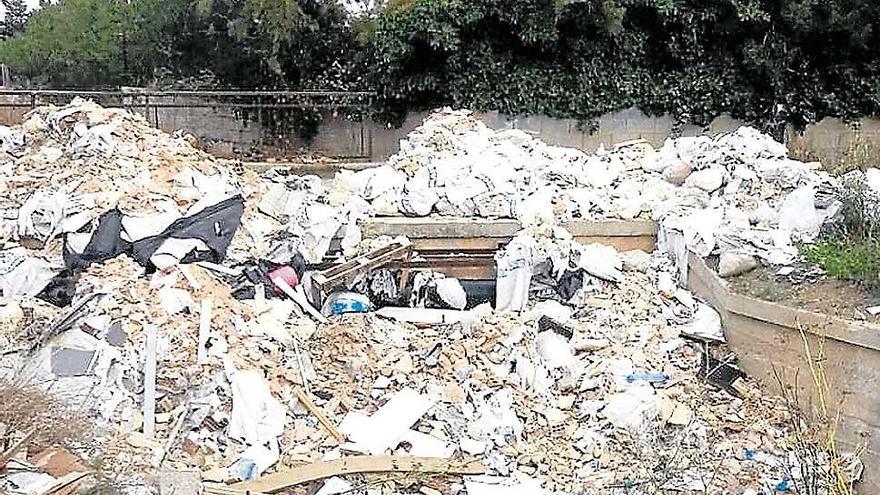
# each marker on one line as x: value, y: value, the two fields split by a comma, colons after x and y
x: 194, y: 110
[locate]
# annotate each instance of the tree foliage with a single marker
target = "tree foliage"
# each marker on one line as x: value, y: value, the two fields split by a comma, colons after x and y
x: 761, y: 60
x: 766, y: 61
x: 232, y: 43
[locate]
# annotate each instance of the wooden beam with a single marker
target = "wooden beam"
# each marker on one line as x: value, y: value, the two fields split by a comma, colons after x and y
x: 276, y: 482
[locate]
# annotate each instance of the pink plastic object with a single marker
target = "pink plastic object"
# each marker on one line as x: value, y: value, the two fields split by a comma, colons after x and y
x: 286, y: 273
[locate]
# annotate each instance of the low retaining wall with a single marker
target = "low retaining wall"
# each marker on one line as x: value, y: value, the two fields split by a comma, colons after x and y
x: 769, y: 336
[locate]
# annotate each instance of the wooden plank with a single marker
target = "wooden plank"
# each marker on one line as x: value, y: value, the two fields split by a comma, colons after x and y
x: 621, y: 243
x: 705, y: 283
x: 454, y: 244
x: 276, y: 482
x: 332, y: 277
x: 469, y: 228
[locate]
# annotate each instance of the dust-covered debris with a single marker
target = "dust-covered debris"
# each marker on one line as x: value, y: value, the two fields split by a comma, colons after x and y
x: 168, y: 298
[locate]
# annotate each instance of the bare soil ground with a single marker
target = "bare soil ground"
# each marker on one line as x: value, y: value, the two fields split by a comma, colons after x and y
x: 840, y: 298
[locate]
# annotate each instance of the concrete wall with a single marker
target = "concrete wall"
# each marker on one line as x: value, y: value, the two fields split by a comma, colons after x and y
x: 830, y: 141
x: 772, y: 339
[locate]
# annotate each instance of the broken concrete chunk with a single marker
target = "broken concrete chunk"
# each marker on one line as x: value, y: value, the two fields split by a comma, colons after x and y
x: 335, y: 486
x: 636, y: 260
x: 633, y: 408
x: 451, y: 292
x: 173, y: 482
x: 705, y: 324
x: 708, y: 180
x: 677, y: 173
x: 731, y: 264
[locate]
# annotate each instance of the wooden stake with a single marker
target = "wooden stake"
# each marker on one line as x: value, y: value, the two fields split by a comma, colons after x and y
x: 150, y: 382
x: 10, y: 452
x: 317, y: 413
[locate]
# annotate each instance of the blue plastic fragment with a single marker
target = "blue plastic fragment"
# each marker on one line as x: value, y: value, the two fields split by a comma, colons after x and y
x: 782, y: 486
x: 650, y: 377
x: 348, y: 306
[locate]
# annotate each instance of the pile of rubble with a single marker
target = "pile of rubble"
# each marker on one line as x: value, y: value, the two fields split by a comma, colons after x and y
x: 737, y: 191
x: 170, y: 300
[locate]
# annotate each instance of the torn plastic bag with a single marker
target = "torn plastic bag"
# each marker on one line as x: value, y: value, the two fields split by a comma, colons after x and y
x: 435, y: 290
x: 798, y: 214
x: 135, y: 228
x: 172, y: 250
x: 633, y: 408
x: 22, y: 276
x: 104, y: 243
x: 257, y: 416
x: 51, y: 211
x: 513, y: 269
x: 323, y: 222
x: 418, y: 201
x: 213, y: 228
x: 569, y: 284
x: 705, y: 324
x: 600, y: 261
x: 260, y: 272
x: 214, y: 225
x: 61, y: 289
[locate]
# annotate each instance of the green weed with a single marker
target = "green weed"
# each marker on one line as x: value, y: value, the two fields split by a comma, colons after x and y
x: 847, y: 258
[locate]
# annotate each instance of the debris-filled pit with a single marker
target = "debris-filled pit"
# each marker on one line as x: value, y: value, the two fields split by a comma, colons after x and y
x: 235, y: 333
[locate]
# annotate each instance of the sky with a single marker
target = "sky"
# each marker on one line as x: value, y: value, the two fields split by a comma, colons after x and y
x: 356, y: 7
x: 32, y: 4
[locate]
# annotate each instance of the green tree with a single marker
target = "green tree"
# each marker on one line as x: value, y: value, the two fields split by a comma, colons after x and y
x: 232, y: 43
x: 75, y: 42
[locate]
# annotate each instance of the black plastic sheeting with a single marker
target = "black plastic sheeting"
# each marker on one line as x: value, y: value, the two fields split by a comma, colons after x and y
x: 256, y: 272
x: 215, y: 226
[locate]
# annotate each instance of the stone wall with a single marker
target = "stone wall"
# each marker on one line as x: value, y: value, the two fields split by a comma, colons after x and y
x: 830, y: 141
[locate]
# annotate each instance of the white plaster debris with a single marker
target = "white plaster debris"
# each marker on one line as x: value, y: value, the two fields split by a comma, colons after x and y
x: 577, y: 378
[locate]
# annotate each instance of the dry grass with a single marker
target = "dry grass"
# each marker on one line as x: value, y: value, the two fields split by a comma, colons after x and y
x: 819, y: 468
x: 24, y: 408
x: 861, y: 153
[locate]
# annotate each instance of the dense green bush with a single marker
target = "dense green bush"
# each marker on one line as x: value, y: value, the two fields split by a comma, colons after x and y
x: 763, y: 61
